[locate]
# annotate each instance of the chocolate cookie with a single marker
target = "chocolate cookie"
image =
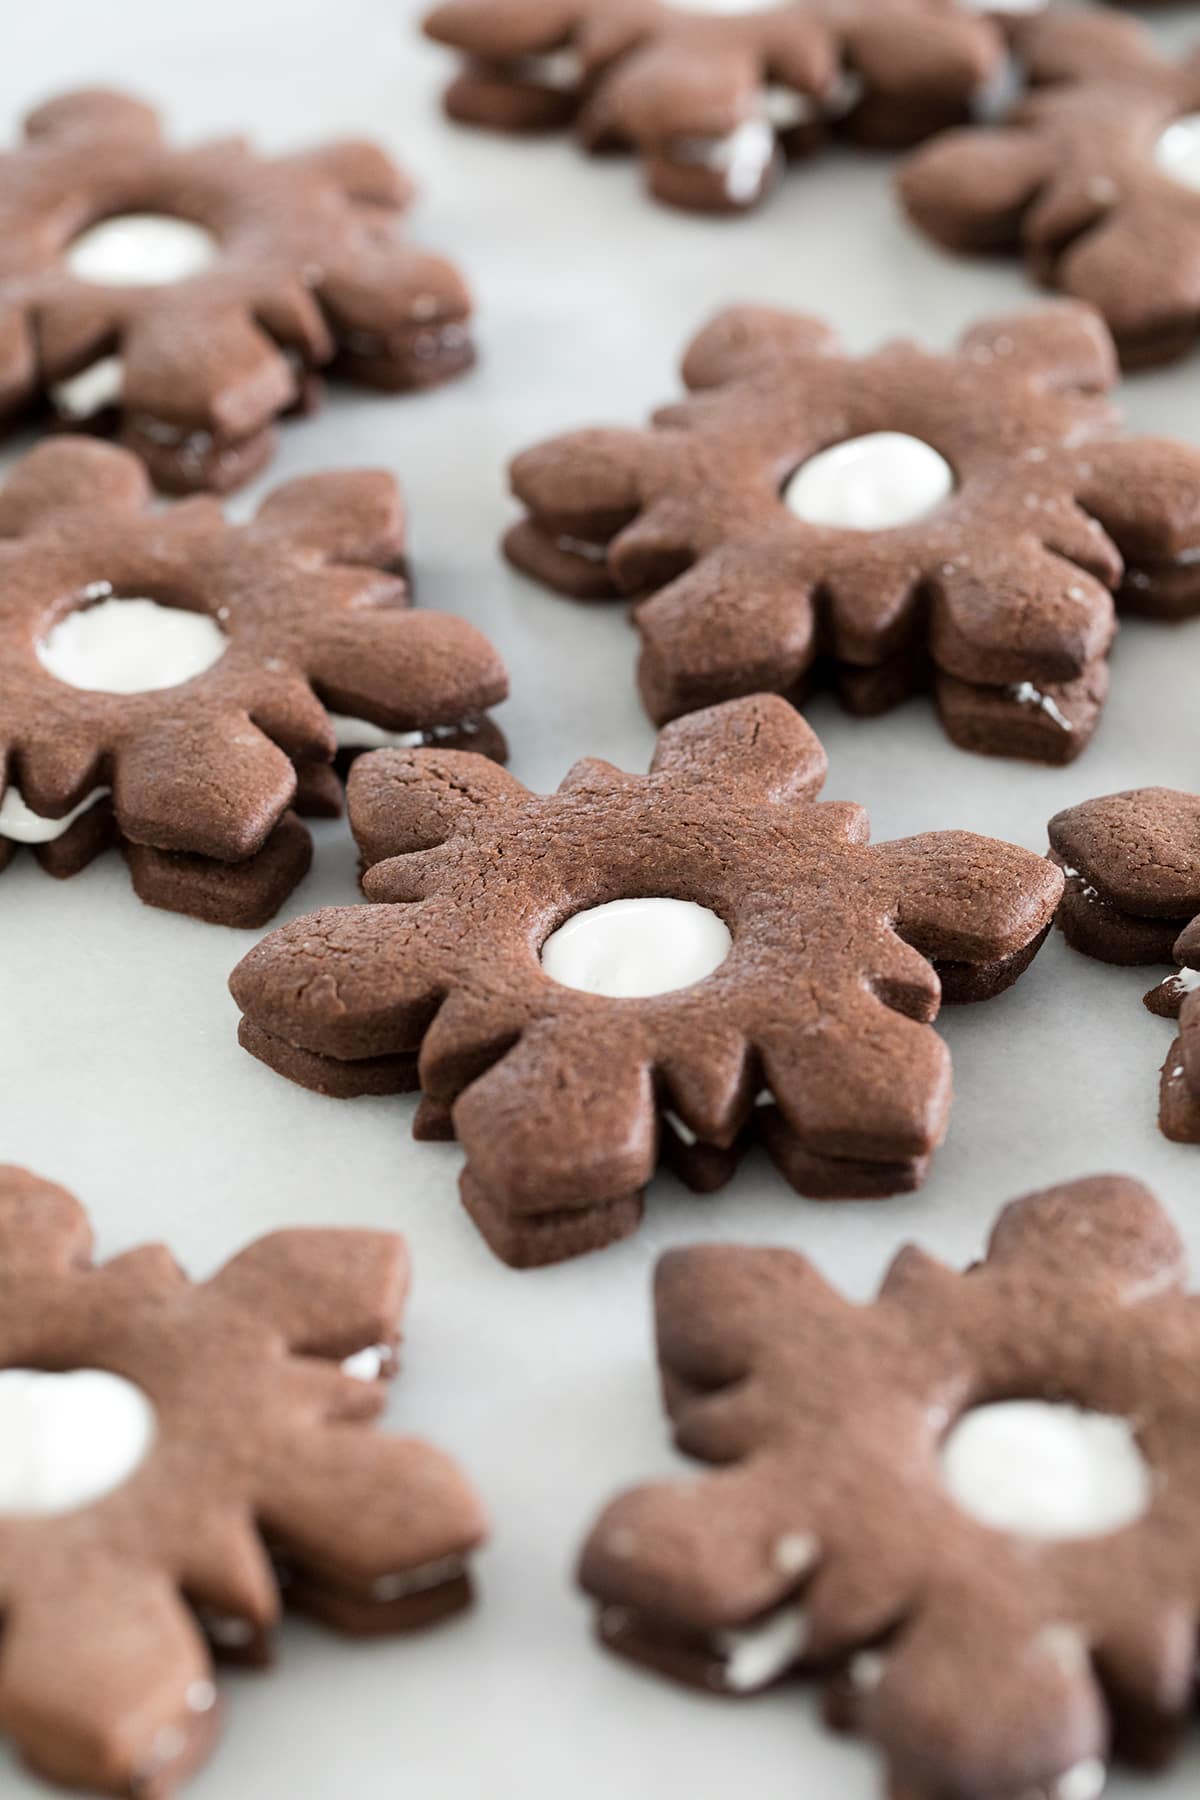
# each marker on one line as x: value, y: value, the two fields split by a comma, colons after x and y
x: 958, y: 522
x: 714, y: 104
x: 163, y: 675
x: 1132, y: 867
x: 1095, y: 178
x: 179, y: 1460
x: 971, y: 1505
x: 185, y: 298
x: 639, y: 965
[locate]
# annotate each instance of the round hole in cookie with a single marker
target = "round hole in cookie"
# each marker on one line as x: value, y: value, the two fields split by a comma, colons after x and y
x: 1177, y: 151
x: 130, y: 646
x: 140, y: 250
x: 1046, y: 1470
x: 870, y: 483
x: 67, y: 1438
x: 630, y: 949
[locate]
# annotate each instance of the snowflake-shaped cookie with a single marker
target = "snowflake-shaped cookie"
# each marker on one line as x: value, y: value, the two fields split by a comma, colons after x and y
x: 184, y: 297
x: 180, y: 1457
x: 165, y: 673
x: 906, y: 519
x: 974, y: 1499
x: 1096, y: 177
x: 1132, y: 867
x: 715, y: 98
x: 638, y: 960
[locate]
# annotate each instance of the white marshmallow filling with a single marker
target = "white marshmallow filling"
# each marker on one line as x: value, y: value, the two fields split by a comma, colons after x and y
x: 417, y: 341
x: 742, y: 158
x: 688, y: 1137
x: 140, y: 250
x: 362, y: 734
x: 21, y: 825
x: 876, y: 482
x: 744, y: 155
x: 1151, y: 573
x: 129, y: 646
x: 370, y: 1364
x: 583, y: 548
x: 1046, y: 1471
x: 92, y: 391
x: 561, y: 71
x: 754, y: 1656
x: 381, y: 1590
x: 227, y: 1631
x: 747, y: 1658
x: 187, y: 439
x: 632, y: 949
x: 421, y: 1580
x: 69, y: 1437
x: 1177, y: 152
x: 1026, y: 693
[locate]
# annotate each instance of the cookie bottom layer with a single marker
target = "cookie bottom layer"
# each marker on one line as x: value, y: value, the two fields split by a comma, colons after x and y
x: 1036, y: 721
x: 1178, y: 1102
x: 243, y: 894
x: 407, y: 360
x: 1044, y: 722
x: 1168, y: 591
x: 819, y: 1177
x: 704, y: 1168
x: 406, y: 1601
x: 692, y: 1658
x: 376, y: 1612
x: 513, y: 97
x: 714, y: 1663
x: 198, y: 462
x: 371, y: 1075
x: 190, y: 459
x: 964, y: 984
x: 497, y: 97
x: 536, y: 1240
x: 1171, y: 341
x: 1097, y: 928
x: 574, y: 566
x: 695, y: 185
x: 94, y: 832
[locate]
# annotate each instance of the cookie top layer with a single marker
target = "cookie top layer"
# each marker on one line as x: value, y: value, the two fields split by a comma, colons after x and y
x: 308, y: 260
x: 1096, y: 175
x: 825, y: 995
x: 1008, y: 580
x: 305, y: 597
x: 994, y: 1656
x: 1140, y: 850
x: 258, y: 1439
